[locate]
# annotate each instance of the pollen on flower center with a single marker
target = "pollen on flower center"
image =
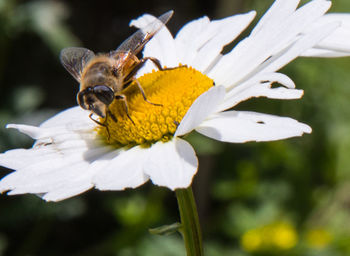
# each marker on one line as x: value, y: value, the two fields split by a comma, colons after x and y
x: 172, y: 92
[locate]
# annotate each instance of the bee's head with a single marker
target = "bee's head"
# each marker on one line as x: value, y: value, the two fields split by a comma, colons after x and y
x: 96, y: 99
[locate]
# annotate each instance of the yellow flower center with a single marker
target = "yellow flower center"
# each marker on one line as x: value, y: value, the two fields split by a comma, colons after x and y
x: 170, y: 93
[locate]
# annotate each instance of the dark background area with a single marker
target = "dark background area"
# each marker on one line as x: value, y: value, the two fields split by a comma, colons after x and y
x: 279, y: 198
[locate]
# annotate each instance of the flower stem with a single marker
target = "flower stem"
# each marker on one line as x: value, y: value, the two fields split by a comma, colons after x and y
x: 190, y: 227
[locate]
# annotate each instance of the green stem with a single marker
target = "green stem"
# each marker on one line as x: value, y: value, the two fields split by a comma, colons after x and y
x: 190, y: 227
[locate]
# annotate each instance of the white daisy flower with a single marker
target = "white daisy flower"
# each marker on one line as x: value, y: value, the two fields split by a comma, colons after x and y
x: 73, y: 154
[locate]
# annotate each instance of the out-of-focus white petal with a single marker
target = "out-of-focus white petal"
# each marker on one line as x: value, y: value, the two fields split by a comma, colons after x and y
x: 261, y: 86
x: 240, y: 127
x: 202, y: 107
x: 172, y: 164
x: 337, y: 41
x: 32, y: 131
x: 256, y: 51
x: 74, y: 115
x: 123, y: 171
x: 306, y: 42
x: 162, y: 46
x: 323, y: 53
x: 335, y: 44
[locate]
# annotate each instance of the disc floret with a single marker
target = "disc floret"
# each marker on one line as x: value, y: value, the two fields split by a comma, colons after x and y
x: 170, y: 93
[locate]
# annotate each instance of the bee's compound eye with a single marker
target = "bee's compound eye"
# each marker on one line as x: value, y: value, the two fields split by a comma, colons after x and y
x: 104, y: 93
x: 80, y: 99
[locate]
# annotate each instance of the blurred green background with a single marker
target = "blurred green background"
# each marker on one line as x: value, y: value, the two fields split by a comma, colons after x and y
x: 288, y: 197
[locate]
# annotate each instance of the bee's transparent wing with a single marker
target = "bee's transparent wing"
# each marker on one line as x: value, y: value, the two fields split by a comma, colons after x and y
x: 74, y: 59
x: 137, y: 41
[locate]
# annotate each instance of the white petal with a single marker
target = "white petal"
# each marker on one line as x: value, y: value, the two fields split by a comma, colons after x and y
x: 71, y: 189
x: 186, y: 40
x: 60, y: 140
x: 52, y: 176
x: 70, y: 121
x: 277, y: 78
x: 201, y: 108
x: 22, y: 158
x: 57, y: 167
x: 121, y: 171
x: 47, y: 168
x: 185, y: 34
x: 276, y: 14
x: 240, y: 127
x: 172, y: 164
x: 205, y: 40
x: 261, y: 86
x: 161, y: 46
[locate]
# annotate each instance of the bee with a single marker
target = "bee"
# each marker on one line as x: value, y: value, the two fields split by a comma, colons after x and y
x: 104, y: 76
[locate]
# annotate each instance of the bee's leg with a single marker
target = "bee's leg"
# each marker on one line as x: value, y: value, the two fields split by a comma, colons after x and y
x: 157, y: 63
x: 144, y: 95
x: 140, y: 64
x: 109, y: 113
x: 97, y: 122
x: 102, y: 124
x: 154, y: 60
x: 123, y: 98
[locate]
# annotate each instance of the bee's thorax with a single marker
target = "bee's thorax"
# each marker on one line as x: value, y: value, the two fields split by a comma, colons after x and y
x: 99, y: 73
